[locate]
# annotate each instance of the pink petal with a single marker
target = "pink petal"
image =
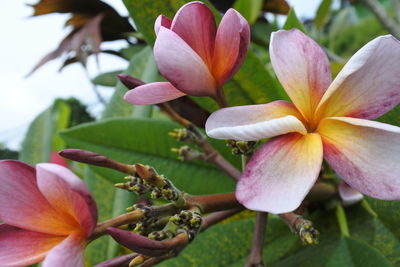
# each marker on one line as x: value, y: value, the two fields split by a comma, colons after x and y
x: 302, y: 68
x: 162, y: 21
x: 365, y: 154
x: 69, y: 253
x: 281, y: 173
x: 182, y: 66
x: 368, y: 85
x: 231, y: 44
x: 22, y: 248
x: 255, y: 122
x: 68, y: 194
x: 23, y: 205
x: 57, y: 159
x: 195, y: 24
x: 348, y: 195
x: 152, y: 93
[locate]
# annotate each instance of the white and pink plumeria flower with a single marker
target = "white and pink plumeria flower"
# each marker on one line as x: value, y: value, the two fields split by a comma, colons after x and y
x: 327, y: 119
x: 194, y: 56
x: 48, y: 214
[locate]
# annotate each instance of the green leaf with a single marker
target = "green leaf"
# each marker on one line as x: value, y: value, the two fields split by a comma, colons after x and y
x: 392, y: 117
x: 229, y: 244
x: 145, y: 12
x: 107, y: 78
x: 250, y: 10
x: 323, y: 13
x: 293, y: 22
x: 344, y: 251
x: 141, y: 66
x: 42, y: 136
x: 103, y: 191
x: 388, y: 213
x: 146, y: 141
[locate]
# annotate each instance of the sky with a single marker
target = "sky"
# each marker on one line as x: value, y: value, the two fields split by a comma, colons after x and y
x: 25, y: 40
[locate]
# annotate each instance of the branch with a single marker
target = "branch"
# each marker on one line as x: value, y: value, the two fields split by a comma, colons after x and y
x: 381, y: 14
x: 216, y: 217
x: 301, y: 227
x: 256, y: 253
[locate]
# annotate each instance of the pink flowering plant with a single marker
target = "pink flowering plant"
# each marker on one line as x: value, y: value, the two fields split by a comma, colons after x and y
x: 230, y: 140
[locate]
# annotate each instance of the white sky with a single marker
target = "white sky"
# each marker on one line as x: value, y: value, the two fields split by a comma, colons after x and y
x: 25, y: 40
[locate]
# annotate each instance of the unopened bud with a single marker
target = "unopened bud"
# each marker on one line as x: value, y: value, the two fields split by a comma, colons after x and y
x: 129, y: 81
x: 137, y: 261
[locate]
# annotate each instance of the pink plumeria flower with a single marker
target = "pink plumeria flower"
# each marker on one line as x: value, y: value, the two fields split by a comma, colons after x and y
x: 48, y: 213
x: 326, y: 120
x: 195, y: 57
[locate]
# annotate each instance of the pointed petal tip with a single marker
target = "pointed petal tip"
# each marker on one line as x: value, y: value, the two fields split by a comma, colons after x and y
x: 152, y: 93
x: 162, y: 21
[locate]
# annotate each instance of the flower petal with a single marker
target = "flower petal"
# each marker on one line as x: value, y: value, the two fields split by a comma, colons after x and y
x: 231, y: 44
x: 23, y: 205
x: 182, y: 66
x: 254, y: 122
x: 281, y: 173
x: 69, y: 253
x: 302, y: 68
x: 368, y: 85
x: 22, y: 248
x: 152, y: 93
x: 68, y: 194
x: 364, y: 153
x: 162, y: 21
x: 348, y: 195
x: 195, y: 24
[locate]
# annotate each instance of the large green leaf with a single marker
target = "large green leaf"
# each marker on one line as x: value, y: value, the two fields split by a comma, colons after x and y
x: 392, y: 117
x: 344, y: 251
x: 145, y: 12
x: 250, y: 10
x: 103, y: 191
x: 323, y: 13
x: 146, y: 141
x: 42, y: 136
x: 229, y: 245
x: 388, y: 213
x: 292, y: 21
x: 141, y: 66
x: 107, y: 78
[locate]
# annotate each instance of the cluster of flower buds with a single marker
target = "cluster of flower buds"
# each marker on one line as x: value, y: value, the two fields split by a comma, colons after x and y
x: 241, y: 147
x: 186, y: 153
x: 146, y: 179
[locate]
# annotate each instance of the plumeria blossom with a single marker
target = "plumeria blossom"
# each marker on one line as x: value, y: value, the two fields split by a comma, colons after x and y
x: 326, y: 120
x: 48, y: 213
x: 193, y: 55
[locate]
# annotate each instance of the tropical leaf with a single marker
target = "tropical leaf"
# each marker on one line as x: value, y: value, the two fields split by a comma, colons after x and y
x: 42, y: 136
x: 146, y: 141
x: 292, y: 21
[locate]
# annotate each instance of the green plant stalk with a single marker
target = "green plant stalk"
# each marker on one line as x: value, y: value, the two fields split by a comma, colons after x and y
x: 342, y: 220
